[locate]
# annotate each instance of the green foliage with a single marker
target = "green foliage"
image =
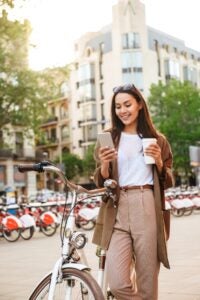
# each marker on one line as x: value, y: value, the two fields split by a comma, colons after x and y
x: 175, y: 109
x: 89, y: 162
x: 9, y: 3
x: 54, y: 80
x: 73, y: 165
x: 23, y: 92
x: 21, y: 100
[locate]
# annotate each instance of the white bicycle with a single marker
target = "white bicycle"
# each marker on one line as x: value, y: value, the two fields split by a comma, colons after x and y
x: 70, y: 279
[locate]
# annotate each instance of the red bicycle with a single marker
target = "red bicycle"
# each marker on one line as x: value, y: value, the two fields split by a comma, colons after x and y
x: 10, y: 226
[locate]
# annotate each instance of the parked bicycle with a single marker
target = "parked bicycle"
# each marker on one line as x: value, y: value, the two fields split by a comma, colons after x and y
x: 182, y: 201
x: 10, y: 226
x: 70, y: 278
x: 45, y: 220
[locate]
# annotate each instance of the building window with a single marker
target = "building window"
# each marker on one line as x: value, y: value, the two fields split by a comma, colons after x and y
x: 63, y: 111
x: 19, y: 143
x: 1, y: 138
x: 85, y: 71
x: 88, y: 52
x: 166, y: 47
x: 86, y: 82
x: 53, y: 111
x: 89, y: 133
x: 101, y: 47
x: 19, y: 178
x: 2, y: 176
x: 172, y: 69
x: 53, y: 135
x: 101, y: 70
x: 64, y: 132
x: 190, y: 74
x: 130, y: 40
x: 132, y: 69
x: 101, y: 90
x: 88, y: 112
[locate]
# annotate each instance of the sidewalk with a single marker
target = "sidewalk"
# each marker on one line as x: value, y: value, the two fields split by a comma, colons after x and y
x: 24, y: 263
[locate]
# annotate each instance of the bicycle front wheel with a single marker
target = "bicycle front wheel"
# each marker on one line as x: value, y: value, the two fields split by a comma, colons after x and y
x: 49, y: 230
x: 11, y: 235
x: 27, y: 233
x: 75, y: 285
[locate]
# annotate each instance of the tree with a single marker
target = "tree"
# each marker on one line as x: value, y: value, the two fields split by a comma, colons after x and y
x: 9, y: 3
x: 175, y: 108
x: 55, y: 81
x: 21, y: 96
x: 23, y: 92
x: 89, y: 162
x: 73, y: 165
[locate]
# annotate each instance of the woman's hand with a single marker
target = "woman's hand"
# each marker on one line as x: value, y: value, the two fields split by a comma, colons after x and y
x: 106, y: 155
x: 155, y: 151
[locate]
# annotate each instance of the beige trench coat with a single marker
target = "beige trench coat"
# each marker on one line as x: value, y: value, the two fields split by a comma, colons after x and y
x: 107, y: 214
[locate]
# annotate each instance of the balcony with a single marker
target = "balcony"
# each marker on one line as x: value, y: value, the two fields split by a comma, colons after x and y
x: 89, y: 141
x: 87, y: 122
x: 45, y: 143
x: 50, y: 121
x: 6, y: 154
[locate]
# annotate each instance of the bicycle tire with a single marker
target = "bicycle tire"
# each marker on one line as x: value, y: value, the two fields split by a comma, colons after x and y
x: 87, y: 225
x: 177, y: 212
x: 49, y: 230
x: 11, y: 235
x: 188, y: 211
x: 87, y: 287
x: 27, y: 233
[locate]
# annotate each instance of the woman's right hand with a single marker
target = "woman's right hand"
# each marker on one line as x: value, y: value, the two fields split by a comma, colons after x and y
x: 106, y: 155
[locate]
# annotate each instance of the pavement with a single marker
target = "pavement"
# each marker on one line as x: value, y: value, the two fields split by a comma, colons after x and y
x: 24, y: 263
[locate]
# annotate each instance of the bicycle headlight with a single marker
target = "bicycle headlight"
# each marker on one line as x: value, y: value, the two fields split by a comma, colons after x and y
x: 78, y: 240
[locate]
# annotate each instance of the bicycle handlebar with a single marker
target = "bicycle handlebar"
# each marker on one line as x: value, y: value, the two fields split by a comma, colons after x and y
x: 48, y: 166
x: 34, y: 167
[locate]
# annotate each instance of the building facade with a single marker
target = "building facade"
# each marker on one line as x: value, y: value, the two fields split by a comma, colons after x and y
x: 16, y: 148
x: 55, y: 139
x: 126, y: 51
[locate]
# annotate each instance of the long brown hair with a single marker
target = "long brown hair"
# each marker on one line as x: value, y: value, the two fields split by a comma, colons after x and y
x: 145, y: 127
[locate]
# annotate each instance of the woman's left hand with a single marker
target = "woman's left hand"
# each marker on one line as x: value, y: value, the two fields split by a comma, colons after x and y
x: 155, y: 151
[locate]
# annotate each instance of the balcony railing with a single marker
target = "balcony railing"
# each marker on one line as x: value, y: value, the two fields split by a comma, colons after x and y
x: 48, y: 142
x: 6, y: 153
x: 50, y: 121
x: 14, y: 154
x: 86, y: 121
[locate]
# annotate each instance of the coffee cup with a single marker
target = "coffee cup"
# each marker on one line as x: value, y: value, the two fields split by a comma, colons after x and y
x: 145, y: 143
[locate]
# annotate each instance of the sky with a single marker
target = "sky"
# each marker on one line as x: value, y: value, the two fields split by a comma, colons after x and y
x: 58, y: 23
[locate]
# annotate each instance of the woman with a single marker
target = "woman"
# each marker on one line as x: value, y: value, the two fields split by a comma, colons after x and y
x: 133, y: 233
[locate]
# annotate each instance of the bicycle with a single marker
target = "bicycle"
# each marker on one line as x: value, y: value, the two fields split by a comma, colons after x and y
x: 10, y: 226
x: 71, y: 278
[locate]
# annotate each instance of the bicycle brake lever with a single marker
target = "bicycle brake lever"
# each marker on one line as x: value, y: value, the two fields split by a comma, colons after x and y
x: 110, y: 183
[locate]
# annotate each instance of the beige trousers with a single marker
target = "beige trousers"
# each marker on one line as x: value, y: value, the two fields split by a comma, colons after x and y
x: 134, y: 243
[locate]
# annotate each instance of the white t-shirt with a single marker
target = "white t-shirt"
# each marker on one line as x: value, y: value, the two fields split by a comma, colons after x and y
x: 132, y: 169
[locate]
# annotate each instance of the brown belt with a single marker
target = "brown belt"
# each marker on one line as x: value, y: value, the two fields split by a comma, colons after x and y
x: 136, y: 187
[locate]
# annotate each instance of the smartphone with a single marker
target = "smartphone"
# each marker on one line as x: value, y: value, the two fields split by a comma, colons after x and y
x: 105, y: 139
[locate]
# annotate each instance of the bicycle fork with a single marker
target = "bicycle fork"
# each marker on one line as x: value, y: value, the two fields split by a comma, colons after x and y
x: 102, y: 274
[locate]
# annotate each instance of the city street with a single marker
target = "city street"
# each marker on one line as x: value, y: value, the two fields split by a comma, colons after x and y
x: 24, y: 263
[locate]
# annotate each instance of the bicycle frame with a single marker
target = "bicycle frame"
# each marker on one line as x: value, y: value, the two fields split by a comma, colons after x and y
x: 70, y: 239
x: 57, y: 270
